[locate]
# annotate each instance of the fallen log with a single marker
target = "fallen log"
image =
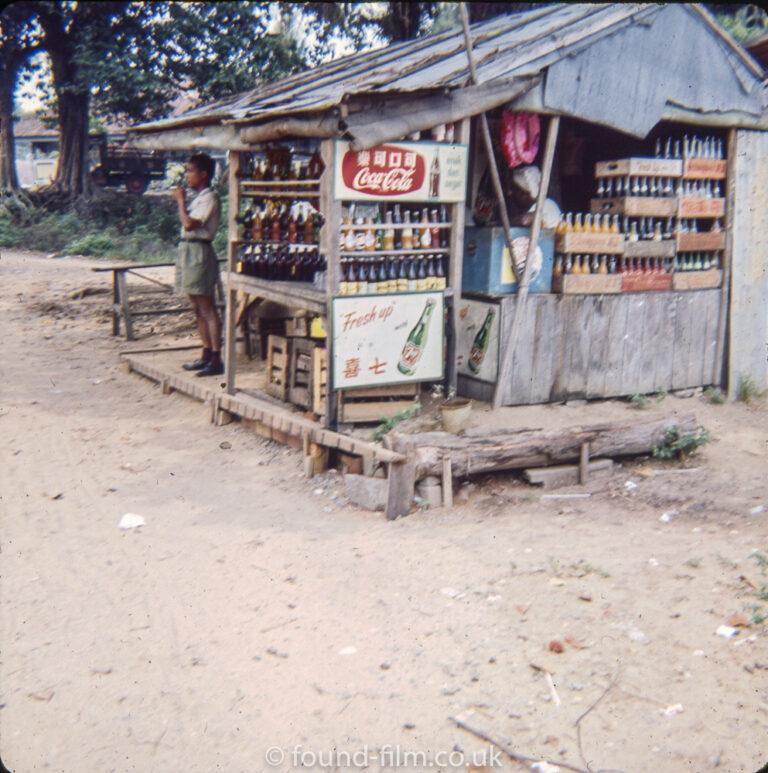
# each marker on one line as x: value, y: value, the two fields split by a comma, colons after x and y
x: 530, y: 448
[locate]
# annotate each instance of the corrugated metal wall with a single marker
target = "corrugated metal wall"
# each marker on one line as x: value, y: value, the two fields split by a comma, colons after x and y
x: 748, y: 320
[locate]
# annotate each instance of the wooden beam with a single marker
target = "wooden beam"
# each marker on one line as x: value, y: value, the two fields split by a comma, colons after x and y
x: 455, y: 269
x: 329, y: 244
x: 486, y: 132
x: 231, y: 300
x: 505, y: 365
x: 725, y: 289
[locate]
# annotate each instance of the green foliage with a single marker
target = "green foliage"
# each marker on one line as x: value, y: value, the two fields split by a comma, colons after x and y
x: 747, y: 390
x: 715, y: 395
x: 757, y: 615
x: 390, y: 422
x: 681, y: 445
x: 743, y: 22
x: 645, y: 401
x: 112, y: 225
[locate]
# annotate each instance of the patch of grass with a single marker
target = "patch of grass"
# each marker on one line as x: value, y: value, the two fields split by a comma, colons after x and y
x: 639, y: 401
x: 715, y: 395
x: 681, y: 445
x: 726, y: 562
x: 582, y: 566
x: 747, y: 390
x: 388, y: 423
x: 694, y: 562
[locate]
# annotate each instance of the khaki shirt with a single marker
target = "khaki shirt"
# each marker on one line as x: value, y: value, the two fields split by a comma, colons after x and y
x: 206, y: 208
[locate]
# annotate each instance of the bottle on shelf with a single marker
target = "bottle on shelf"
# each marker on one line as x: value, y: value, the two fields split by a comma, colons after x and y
x: 388, y: 240
x: 407, y: 232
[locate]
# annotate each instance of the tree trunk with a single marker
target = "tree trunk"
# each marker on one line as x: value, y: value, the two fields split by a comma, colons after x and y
x: 513, y: 449
x: 72, y: 172
x: 8, y: 178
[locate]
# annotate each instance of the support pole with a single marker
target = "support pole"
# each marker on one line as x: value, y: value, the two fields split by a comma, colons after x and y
x: 230, y: 307
x: 488, y: 143
x: 505, y: 366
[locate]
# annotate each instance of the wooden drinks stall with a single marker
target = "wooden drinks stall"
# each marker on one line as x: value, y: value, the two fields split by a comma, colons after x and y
x: 354, y: 194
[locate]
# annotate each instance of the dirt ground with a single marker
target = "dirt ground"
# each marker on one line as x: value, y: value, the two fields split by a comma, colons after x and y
x: 258, y: 621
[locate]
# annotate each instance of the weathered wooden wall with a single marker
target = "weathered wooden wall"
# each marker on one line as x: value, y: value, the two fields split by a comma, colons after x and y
x: 591, y: 346
x: 748, y: 319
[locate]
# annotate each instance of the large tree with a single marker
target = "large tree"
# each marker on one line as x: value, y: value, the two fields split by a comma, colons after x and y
x: 18, y: 41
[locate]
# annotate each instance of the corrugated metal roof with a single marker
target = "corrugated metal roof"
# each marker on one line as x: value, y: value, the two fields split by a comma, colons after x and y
x: 505, y: 48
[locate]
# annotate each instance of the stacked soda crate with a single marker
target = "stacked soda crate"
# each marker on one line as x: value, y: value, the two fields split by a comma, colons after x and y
x: 672, y: 210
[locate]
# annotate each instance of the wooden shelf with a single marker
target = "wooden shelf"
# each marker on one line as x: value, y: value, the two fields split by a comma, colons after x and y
x: 301, y: 294
x: 278, y: 184
x: 382, y: 253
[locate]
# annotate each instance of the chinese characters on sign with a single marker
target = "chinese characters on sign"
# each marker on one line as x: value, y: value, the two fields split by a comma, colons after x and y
x: 419, y: 171
x: 387, y: 340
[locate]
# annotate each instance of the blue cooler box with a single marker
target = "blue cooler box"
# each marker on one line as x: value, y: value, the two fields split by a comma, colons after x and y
x: 487, y: 268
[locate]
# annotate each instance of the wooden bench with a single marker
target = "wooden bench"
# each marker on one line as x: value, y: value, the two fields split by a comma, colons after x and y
x: 121, y: 303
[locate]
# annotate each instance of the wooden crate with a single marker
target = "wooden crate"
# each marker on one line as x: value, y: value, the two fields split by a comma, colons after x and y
x: 637, y: 206
x: 319, y: 380
x: 278, y: 363
x: 592, y: 243
x: 695, y: 206
x: 586, y: 284
x: 704, y: 169
x: 640, y: 283
x: 647, y: 167
x: 372, y: 404
x: 701, y: 242
x: 300, y: 372
x: 298, y: 327
x: 697, y: 280
x: 647, y: 248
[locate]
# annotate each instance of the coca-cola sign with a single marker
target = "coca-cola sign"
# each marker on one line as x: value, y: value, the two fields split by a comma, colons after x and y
x: 383, y: 171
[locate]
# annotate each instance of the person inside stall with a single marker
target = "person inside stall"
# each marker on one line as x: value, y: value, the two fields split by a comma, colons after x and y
x: 521, y: 199
x: 197, y: 268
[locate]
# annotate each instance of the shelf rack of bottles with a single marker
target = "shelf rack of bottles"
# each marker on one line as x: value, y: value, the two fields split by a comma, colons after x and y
x: 670, y: 208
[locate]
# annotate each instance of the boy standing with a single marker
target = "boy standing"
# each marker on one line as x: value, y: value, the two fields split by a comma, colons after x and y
x: 197, y: 269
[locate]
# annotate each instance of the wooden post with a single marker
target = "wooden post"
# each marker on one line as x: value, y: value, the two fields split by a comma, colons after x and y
x: 125, y: 310
x: 725, y: 287
x: 455, y: 267
x: 329, y: 244
x: 505, y: 365
x: 488, y: 143
x: 447, y: 482
x: 584, y: 464
x: 231, y: 300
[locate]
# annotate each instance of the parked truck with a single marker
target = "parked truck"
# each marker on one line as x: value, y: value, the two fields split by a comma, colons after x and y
x: 122, y: 164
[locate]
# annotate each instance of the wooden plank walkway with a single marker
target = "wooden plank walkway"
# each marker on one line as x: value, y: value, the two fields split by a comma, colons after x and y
x: 269, y: 418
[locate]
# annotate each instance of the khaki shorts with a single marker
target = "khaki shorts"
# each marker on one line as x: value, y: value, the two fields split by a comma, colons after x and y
x: 197, y: 270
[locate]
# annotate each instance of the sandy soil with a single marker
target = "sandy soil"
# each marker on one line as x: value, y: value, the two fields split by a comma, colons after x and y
x: 258, y: 621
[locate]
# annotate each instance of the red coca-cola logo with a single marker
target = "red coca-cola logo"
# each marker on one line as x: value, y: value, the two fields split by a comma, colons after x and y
x: 384, y: 171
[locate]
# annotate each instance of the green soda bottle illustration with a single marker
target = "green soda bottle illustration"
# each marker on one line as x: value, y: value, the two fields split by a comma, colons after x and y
x: 480, y: 344
x: 417, y: 338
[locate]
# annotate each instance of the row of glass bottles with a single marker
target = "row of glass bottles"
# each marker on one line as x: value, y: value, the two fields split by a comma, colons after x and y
x: 283, y: 262
x: 697, y: 261
x: 692, y: 147
x: 566, y: 263
x: 393, y: 274
x: 287, y: 221
x: 284, y: 166
x: 658, y: 229
x: 657, y: 187
x: 571, y: 222
x: 636, y: 185
x: 400, y: 230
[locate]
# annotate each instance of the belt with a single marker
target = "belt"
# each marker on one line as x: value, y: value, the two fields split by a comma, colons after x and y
x: 201, y: 241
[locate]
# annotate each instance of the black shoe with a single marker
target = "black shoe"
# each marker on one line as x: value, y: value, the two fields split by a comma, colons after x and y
x: 211, y: 370
x: 196, y: 365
